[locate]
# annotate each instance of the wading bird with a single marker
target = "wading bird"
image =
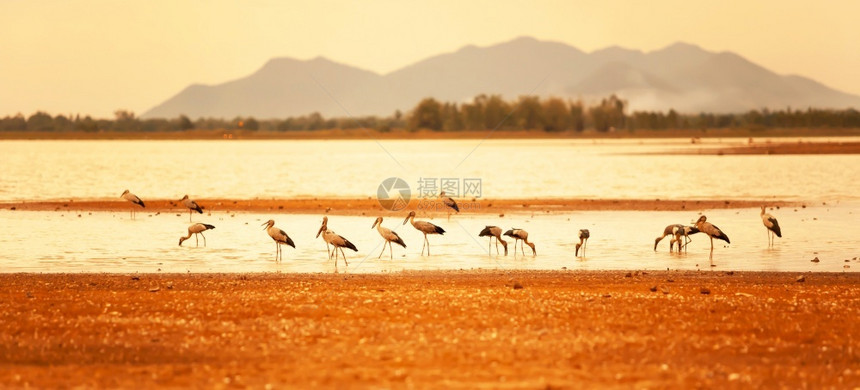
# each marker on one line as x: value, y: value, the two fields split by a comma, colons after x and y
x: 195, y: 229
x: 191, y: 205
x: 520, y: 234
x: 712, y: 231
x: 450, y: 203
x: 677, y: 230
x: 494, y: 231
x: 583, y: 241
x: 337, y: 241
x: 133, y: 199
x: 279, y: 236
x: 423, y: 227
x: 772, y: 227
x: 389, y: 236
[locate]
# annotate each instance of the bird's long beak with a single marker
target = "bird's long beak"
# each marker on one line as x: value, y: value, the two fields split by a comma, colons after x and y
x: 264, y: 224
x: 374, y: 224
x: 406, y: 220
x: 321, y: 230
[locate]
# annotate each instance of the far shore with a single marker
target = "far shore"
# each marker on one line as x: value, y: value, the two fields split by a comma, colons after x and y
x: 402, y: 134
x: 371, y: 206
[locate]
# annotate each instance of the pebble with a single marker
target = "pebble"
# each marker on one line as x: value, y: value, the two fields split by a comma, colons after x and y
x: 705, y: 291
x: 801, y: 279
x: 815, y: 260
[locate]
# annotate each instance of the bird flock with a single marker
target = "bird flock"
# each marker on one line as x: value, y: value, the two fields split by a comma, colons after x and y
x: 679, y: 233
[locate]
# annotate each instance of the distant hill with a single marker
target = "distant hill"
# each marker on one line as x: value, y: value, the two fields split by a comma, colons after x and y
x: 681, y: 76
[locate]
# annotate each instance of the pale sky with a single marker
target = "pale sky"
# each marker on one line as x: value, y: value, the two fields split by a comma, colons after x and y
x: 97, y: 56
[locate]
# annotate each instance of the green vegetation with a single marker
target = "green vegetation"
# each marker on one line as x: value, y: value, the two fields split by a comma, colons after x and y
x: 529, y: 113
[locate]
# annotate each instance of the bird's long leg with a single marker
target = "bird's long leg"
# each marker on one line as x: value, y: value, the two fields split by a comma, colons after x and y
x: 344, y: 257
x: 204, y: 239
x: 428, y: 244
x: 490, y: 247
x: 423, y: 244
x: 328, y: 251
x: 383, y: 249
x: 497, y: 245
x: 390, y: 250
x: 196, y: 240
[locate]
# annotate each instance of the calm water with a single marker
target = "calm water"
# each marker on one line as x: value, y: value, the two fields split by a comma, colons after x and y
x: 111, y: 242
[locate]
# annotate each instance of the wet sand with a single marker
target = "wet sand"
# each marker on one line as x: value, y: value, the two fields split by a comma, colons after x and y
x: 371, y: 206
x: 491, y: 329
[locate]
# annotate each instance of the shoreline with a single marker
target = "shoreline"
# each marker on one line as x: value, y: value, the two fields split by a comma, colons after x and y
x: 488, y: 329
x: 370, y: 205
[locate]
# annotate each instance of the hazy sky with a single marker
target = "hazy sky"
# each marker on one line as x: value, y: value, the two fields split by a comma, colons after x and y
x: 94, y: 57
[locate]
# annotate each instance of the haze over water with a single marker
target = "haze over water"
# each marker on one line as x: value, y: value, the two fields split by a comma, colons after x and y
x: 111, y: 242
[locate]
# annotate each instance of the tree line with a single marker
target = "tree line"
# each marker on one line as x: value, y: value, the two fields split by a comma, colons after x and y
x: 484, y: 112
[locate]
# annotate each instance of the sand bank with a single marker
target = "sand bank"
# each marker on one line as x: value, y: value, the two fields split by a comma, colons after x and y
x: 371, y: 206
x: 474, y: 329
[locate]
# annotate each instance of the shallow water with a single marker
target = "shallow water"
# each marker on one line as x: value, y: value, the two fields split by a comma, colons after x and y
x: 54, y: 241
x: 506, y: 168
x: 111, y: 242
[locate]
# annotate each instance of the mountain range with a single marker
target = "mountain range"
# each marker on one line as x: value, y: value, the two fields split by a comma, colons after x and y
x: 681, y: 76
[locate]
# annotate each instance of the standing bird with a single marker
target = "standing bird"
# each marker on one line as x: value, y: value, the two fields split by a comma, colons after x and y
x: 583, y: 241
x: 191, y: 205
x: 450, y: 203
x: 520, y: 234
x: 677, y: 230
x: 133, y: 199
x: 494, y: 231
x: 389, y: 236
x: 337, y: 241
x: 712, y: 231
x: 279, y: 236
x: 195, y: 229
x: 772, y: 227
x: 423, y: 227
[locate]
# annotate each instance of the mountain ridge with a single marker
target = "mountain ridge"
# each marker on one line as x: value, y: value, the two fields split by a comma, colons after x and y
x: 681, y: 76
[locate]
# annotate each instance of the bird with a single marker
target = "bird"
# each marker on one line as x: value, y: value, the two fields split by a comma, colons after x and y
x: 389, y: 236
x: 279, y: 236
x: 772, y: 226
x: 712, y: 231
x: 330, y: 237
x: 583, y: 241
x: 676, y: 230
x: 133, y: 199
x: 450, y: 203
x: 191, y: 205
x: 494, y: 231
x: 196, y: 228
x: 423, y: 227
x: 520, y: 234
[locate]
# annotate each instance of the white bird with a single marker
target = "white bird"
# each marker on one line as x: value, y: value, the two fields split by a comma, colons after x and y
x: 423, y: 227
x: 520, y: 234
x: 389, y: 236
x: 191, y: 205
x: 712, y: 231
x: 583, y: 241
x: 494, y: 231
x: 337, y: 241
x: 772, y: 226
x: 450, y: 203
x: 677, y: 230
x: 279, y: 236
x: 133, y: 199
x: 196, y: 228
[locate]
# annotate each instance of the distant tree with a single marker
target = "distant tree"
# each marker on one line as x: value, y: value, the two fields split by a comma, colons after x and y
x: 40, y: 121
x: 529, y: 113
x: 496, y: 112
x: 427, y: 115
x: 185, y: 123
x: 556, y: 115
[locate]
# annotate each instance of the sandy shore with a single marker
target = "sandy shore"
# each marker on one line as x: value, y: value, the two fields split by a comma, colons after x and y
x: 777, y: 148
x: 491, y: 329
x: 371, y: 206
